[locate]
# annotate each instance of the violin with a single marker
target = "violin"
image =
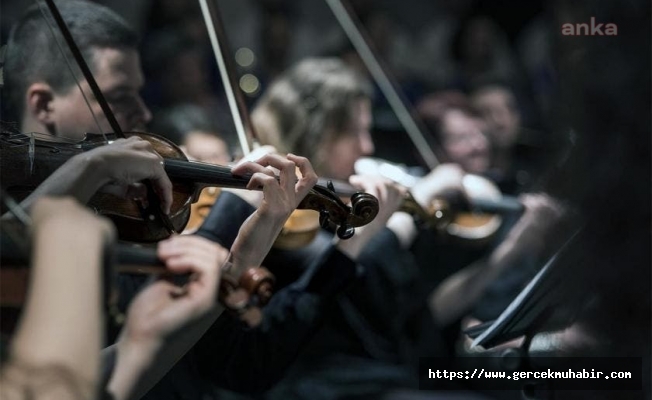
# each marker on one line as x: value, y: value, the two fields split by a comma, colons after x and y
x: 474, y: 217
x: 27, y: 161
x: 243, y: 297
x: 202, y: 207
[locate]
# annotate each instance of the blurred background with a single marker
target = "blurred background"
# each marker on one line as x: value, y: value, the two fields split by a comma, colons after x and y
x: 436, y: 51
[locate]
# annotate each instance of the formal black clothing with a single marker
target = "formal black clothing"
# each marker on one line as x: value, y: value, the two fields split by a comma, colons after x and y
x: 236, y: 357
x: 373, y: 335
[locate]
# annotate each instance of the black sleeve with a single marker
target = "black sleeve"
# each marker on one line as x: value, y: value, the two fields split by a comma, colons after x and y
x: 238, y: 358
x: 225, y: 219
x: 377, y: 307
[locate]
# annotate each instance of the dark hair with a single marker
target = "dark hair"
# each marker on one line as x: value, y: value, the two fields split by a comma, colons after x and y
x: 33, y: 53
x: 446, y: 102
x: 308, y: 104
x: 177, y: 122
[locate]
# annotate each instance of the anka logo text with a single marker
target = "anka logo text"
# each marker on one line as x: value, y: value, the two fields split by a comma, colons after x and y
x: 590, y: 29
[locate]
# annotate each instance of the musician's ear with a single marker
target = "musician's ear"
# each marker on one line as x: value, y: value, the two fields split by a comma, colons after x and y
x: 39, y: 103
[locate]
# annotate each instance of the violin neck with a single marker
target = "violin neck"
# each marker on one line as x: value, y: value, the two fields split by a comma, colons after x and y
x: 205, y: 174
x: 341, y: 188
x: 502, y: 206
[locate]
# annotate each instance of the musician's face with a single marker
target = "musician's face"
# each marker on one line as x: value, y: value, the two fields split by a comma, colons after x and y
x: 206, y: 147
x: 497, y: 108
x: 356, y: 142
x: 119, y: 76
x: 464, y: 142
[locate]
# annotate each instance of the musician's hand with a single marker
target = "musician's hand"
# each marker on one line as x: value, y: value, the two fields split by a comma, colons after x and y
x: 281, y: 196
x: 390, y: 197
x: 164, y: 320
x: 444, y: 178
x: 253, y: 197
x: 258, y: 153
x: 162, y: 308
x: 465, y: 348
x: 123, y: 164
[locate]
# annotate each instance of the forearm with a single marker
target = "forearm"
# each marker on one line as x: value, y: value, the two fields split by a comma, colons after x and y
x: 256, y: 237
x: 457, y: 294
x: 132, y: 368
x: 63, y: 326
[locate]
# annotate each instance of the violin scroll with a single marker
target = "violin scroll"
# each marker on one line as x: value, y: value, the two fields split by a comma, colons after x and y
x: 364, y: 208
x: 333, y: 212
x: 246, y: 296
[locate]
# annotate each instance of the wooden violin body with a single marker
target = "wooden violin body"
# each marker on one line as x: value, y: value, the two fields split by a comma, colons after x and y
x: 299, y: 230
x: 202, y: 207
x: 27, y: 161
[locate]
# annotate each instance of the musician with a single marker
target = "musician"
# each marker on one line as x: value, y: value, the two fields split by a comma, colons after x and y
x: 48, y: 105
x: 372, y: 335
x: 516, y: 152
x: 56, y: 349
x: 199, y: 136
x: 458, y: 130
x: 152, y: 340
x: 483, y: 134
x: 43, y: 96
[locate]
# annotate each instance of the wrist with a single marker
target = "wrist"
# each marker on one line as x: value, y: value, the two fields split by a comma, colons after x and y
x: 255, y: 238
x: 252, y: 197
x: 94, y: 167
x: 138, y: 351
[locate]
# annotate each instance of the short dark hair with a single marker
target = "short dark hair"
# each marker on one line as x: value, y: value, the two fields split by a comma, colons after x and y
x: 33, y: 54
x: 178, y: 121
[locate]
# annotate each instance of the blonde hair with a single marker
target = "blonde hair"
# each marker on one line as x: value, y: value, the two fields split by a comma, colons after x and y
x: 309, y: 105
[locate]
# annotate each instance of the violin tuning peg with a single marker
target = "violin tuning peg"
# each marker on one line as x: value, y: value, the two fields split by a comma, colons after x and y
x: 345, y: 232
x: 324, y: 220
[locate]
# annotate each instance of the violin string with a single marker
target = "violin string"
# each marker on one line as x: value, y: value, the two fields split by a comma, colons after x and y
x: 69, y: 65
